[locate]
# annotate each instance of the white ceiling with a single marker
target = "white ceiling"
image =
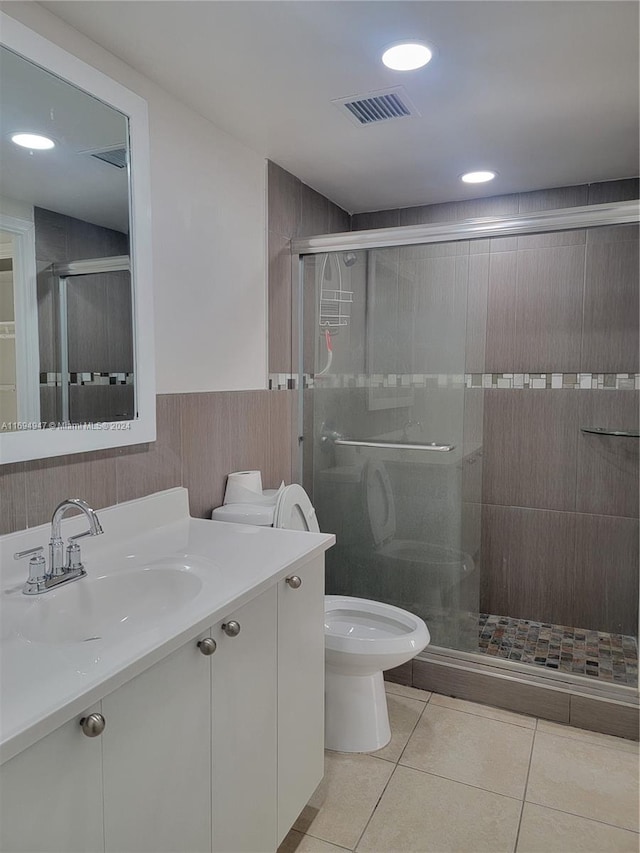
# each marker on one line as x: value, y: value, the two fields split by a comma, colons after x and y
x: 546, y: 93
x: 66, y: 178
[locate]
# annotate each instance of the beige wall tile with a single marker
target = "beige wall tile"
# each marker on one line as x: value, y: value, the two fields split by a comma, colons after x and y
x: 144, y: 469
x: 544, y: 830
x: 343, y: 803
x: 606, y: 560
x: 611, y: 308
x: 467, y: 748
x: 280, y: 309
x: 90, y: 476
x: 530, y: 448
x: 206, y: 449
x: 249, y: 431
x: 13, y: 498
x: 375, y: 219
x: 314, y: 213
x: 528, y: 564
x: 587, y: 780
x: 281, y: 428
x: 283, y: 201
x: 419, y: 811
x: 553, y: 199
x: 549, y: 309
x: 608, y: 465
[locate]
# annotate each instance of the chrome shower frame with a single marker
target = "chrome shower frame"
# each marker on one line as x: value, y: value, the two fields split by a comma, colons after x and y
x: 590, y: 216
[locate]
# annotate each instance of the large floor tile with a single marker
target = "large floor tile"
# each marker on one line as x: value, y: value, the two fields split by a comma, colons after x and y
x: 404, y: 713
x: 343, y: 803
x: 597, y: 738
x: 297, y: 842
x: 547, y: 831
x: 420, y: 812
x: 483, y: 711
x: 409, y: 692
x: 585, y: 779
x: 467, y: 748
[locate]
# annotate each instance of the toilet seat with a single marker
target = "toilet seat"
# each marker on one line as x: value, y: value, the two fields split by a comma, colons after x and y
x: 294, y: 510
x: 365, y: 627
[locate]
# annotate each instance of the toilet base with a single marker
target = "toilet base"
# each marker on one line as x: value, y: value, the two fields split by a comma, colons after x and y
x: 356, y: 716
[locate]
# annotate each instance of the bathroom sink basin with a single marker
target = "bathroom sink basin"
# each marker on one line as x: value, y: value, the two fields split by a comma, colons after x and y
x: 111, y: 607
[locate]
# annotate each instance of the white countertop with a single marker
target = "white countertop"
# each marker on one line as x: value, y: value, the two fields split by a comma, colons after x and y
x: 42, y: 685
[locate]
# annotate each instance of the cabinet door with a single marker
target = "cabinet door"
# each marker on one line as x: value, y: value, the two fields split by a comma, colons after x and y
x: 244, y: 730
x: 300, y: 692
x: 51, y: 794
x: 157, y: 750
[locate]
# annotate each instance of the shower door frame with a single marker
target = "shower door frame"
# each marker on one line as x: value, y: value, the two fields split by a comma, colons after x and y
x: 563, y: 219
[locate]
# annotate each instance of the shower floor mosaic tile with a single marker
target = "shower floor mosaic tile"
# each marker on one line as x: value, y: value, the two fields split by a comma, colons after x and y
x: 596, y: 654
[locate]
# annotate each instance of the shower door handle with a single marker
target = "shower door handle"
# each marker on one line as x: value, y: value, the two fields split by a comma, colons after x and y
x: 395, y: 445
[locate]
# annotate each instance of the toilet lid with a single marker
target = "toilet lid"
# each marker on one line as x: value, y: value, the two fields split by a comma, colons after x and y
x: 294, y: 510
x: 381, y: 509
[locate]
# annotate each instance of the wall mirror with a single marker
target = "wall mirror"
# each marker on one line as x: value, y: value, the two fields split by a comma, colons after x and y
x: 76, y: 316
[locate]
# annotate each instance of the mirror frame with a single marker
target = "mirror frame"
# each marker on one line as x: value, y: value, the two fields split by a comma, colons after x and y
x: 37, y: 443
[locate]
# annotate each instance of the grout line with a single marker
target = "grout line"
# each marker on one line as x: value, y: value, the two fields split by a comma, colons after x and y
x: 584, y: 817
x: 485, y: 717
x: 376, y: 806
x: 526, y: 784
x: 458, y: 782
x: 420, y: 716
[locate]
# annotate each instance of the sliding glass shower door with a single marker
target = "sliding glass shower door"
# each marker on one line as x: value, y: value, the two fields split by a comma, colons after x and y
x: 386, y: 457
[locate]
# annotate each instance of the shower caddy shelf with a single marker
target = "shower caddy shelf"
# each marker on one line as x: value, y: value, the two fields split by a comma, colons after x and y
x: 620, y: 433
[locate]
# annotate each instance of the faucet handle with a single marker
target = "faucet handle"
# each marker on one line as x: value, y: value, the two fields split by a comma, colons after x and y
x: 37, y: 569
x: 82, y: 535
x: 19, y: 555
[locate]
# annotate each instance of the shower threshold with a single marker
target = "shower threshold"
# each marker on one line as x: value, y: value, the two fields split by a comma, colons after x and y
x: 605, y: 657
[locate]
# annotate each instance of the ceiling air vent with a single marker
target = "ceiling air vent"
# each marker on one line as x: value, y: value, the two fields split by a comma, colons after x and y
x: 377, y: 106
x: 113, y: 156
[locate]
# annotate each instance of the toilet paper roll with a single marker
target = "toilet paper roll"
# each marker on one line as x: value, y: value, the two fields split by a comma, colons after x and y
x: 243, y: 487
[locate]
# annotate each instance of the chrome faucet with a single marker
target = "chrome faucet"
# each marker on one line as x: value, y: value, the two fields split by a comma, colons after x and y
x: 40, y: 580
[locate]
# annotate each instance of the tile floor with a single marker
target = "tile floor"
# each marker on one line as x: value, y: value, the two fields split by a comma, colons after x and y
x: 462, y: 777
x: 596, y: 654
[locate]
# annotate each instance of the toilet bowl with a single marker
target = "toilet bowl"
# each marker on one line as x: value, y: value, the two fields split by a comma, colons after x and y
x: 362, y: 638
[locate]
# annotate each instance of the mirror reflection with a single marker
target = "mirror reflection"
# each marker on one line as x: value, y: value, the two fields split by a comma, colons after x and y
x: 66, y: 323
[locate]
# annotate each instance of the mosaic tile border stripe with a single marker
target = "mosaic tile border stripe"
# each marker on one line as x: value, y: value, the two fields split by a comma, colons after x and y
x: 551, y: 381
x: 503, y: 381
x: 54, y: 380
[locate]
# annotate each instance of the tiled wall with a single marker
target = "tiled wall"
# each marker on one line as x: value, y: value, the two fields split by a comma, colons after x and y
x: 201, y: 437
x: 559, y: 507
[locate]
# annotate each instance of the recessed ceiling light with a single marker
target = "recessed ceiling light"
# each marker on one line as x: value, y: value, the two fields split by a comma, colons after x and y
x: 477, y: 177
x: 33, y: 141
x: 407, y: 56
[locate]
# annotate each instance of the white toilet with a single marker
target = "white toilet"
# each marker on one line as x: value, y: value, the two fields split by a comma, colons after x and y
x: 362, y: 638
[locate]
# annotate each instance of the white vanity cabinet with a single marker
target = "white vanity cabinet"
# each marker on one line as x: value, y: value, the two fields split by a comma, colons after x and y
x: 157, y: 758
x: 51, y: 794
x: 200, y: 751
x: 244, y: 728
x: 300, y: 690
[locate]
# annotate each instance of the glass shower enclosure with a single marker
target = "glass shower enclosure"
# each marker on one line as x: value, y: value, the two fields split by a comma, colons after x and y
x: 386, y: 458
x: 428, y: 468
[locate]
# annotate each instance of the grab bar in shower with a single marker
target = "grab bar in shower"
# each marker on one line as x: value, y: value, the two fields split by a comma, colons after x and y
x: 605, y: 431
x: 396, y: 445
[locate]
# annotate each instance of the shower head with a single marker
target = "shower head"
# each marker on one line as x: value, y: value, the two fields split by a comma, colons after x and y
x: 349, y: 259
